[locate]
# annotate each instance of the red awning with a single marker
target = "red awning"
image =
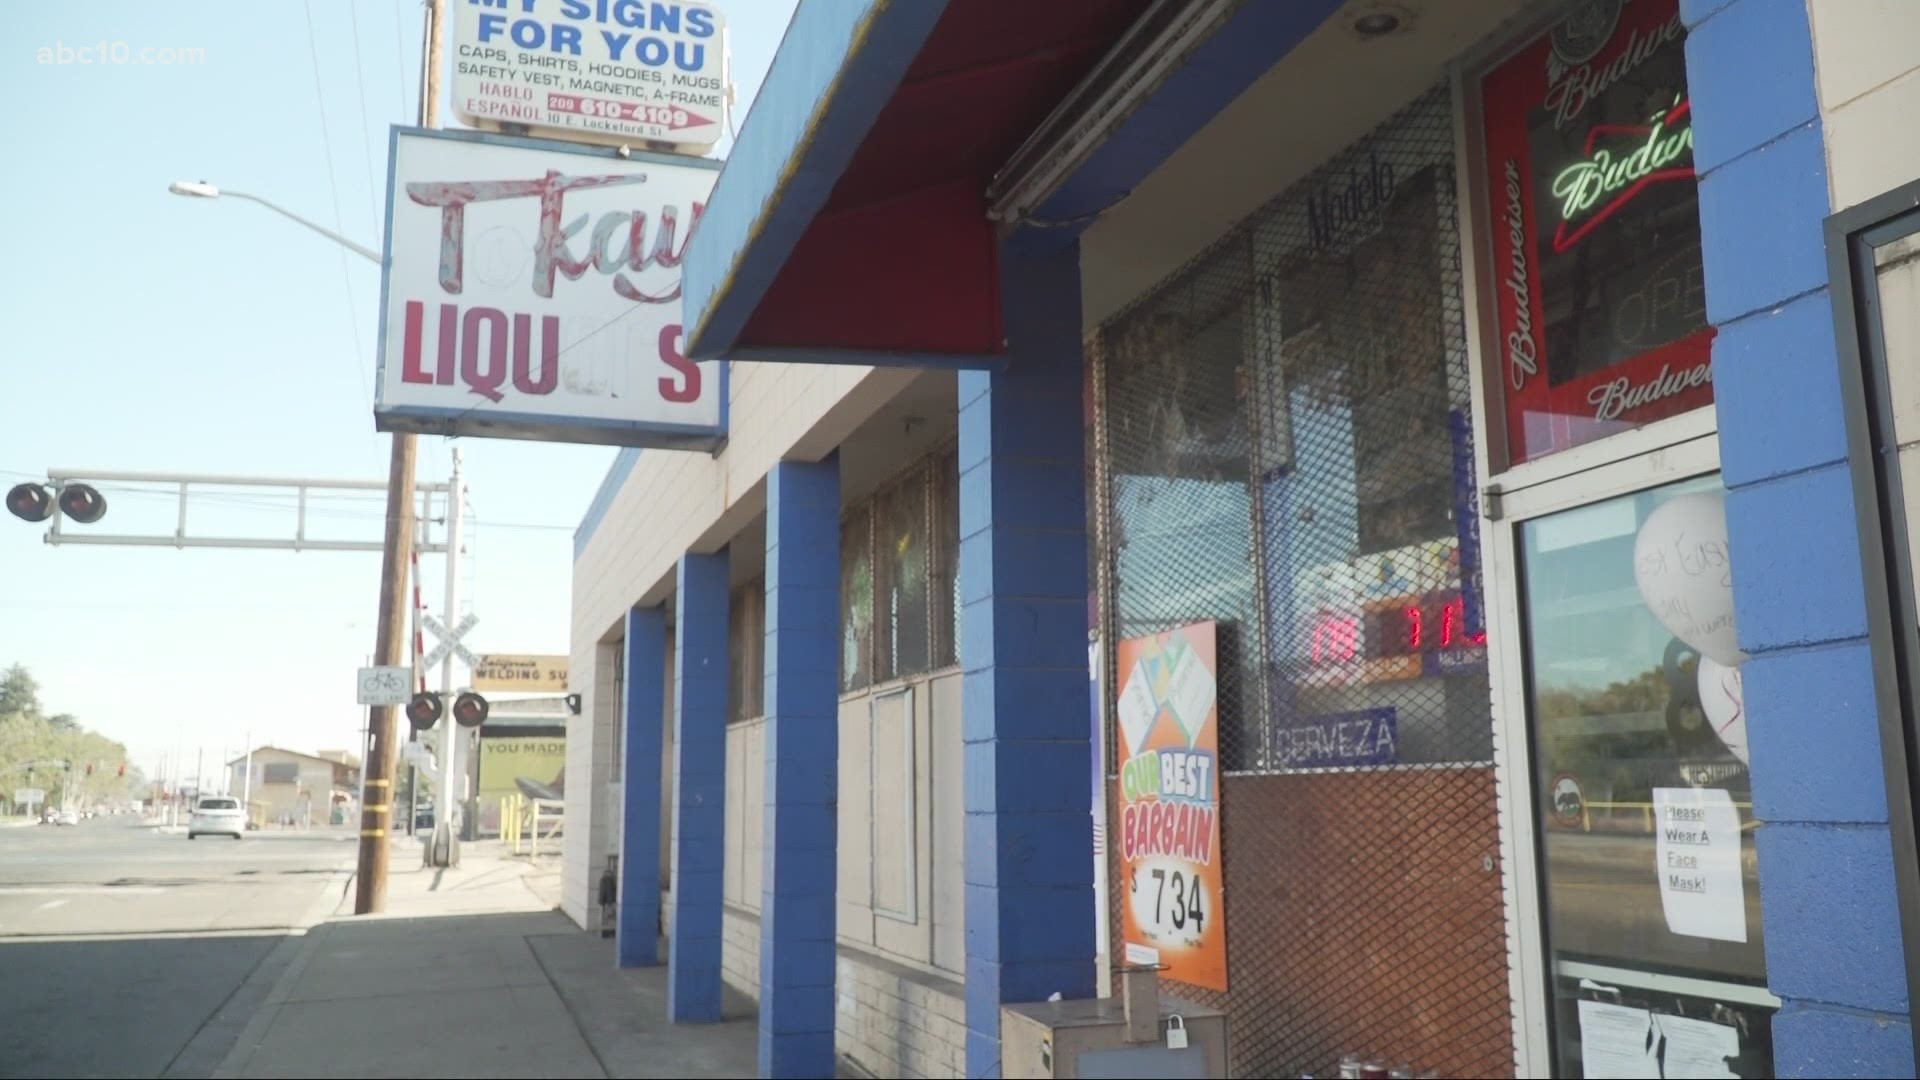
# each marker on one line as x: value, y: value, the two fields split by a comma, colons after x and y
x: 901, y: 256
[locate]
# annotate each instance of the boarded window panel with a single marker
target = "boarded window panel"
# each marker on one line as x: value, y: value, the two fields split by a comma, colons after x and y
x: 753, y: 805
x: 949, y: 820
x: 855, y: 829
x: 856, y: 600
x: 895, y: 870
x: 734, y: 873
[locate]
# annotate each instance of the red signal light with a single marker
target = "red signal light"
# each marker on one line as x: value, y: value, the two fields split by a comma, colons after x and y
x: 424, y: 710
x: 82, y: 503
x: 470, y: 710
x: 30, y: 502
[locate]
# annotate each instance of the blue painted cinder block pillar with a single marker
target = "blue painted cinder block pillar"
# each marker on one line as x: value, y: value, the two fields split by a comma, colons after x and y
x: 637, y: 932
x: 798, y: 869
x: 699, y: 788
x: 1826, y: 864
x: 1023, y: 577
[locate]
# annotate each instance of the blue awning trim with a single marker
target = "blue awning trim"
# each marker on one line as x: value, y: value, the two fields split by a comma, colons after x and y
x: 1223, y: 67
x: 837, y: 67
x: 610, y: 486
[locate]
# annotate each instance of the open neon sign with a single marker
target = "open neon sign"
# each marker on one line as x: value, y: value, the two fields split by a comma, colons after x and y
x: 1667, y: 136
x: 1437, y: 625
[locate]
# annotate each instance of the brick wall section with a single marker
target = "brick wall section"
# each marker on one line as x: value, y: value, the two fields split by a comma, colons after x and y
x: 740, y: 951
x: 1327, y: 953
x: 889, y: 1019
x: 892, y: 1020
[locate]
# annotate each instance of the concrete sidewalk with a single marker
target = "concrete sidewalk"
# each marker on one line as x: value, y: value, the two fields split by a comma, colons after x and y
x: 470, y: 972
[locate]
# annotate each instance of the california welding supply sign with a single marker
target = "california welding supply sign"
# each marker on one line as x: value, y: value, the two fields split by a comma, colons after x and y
x: 532, y: 291
x: 1168, y: 746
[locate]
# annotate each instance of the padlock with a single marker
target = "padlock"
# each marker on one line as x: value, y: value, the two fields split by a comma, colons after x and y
x: 1176, y: 1032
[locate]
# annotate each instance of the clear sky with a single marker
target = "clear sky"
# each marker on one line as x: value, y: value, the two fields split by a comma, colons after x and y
x: 146, y: 331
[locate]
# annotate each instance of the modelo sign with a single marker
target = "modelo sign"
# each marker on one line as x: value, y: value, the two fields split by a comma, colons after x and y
x: 611, y: 71
x: 532, y: 291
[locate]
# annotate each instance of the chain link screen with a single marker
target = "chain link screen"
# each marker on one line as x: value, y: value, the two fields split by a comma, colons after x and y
x: 1288, y: 452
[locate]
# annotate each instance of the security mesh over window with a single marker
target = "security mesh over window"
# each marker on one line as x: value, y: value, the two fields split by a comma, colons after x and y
x: 900, y: 552
x: 899, y: 576
x: 746, y: 651
x: 945, y: 570
x: 1288, y: 453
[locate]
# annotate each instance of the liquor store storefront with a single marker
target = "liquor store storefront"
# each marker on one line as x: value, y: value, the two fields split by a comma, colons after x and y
x: 1457, y: 620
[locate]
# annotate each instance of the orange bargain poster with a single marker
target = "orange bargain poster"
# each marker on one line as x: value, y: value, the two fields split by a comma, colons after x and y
x: 1168, y: 745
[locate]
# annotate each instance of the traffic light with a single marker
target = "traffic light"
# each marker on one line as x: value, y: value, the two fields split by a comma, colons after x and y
x: 82, y: 503
x: 424, y: 710
x: 470, y: 709
x: 30, y: 502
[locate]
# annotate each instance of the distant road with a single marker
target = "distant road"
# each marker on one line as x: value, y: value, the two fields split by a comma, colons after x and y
x: 122, y: 949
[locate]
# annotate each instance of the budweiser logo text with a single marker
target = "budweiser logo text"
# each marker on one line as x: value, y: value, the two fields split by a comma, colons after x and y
x: 1610, y: 399
x: 1568, y: 97
x: 1523, y: 357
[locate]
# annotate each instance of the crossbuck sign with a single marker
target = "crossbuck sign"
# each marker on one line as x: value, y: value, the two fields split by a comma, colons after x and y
x: 449, y: 641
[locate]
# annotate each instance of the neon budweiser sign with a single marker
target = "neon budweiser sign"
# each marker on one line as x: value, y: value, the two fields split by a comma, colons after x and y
x: 1592, y: 189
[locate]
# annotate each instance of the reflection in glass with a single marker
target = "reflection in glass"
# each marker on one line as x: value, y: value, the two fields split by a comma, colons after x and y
x: 1646, y: 817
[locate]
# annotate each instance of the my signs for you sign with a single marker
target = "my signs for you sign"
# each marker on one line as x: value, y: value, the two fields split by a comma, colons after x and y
x: 532, y: 291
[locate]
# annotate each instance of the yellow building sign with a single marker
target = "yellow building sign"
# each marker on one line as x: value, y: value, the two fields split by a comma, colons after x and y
x: 512, y: 671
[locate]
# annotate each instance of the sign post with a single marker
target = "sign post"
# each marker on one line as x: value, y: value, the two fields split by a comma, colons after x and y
x: 384, y: 685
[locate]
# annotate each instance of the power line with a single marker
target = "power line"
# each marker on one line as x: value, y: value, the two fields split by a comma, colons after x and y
x: 333, y: 189
x: 399, y: 63
x: 360, y: 84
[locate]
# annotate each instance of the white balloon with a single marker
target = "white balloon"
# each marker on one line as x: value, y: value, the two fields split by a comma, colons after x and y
x: 1680, y: 564
x: 1722, y: 699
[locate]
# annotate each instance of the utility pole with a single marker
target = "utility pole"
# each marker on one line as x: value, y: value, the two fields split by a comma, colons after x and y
x: 376, y: 817
x: 445, y: 848
x: 246, y: 785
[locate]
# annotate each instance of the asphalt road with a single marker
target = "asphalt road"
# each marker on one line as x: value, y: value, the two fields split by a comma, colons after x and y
x: 126, y: 951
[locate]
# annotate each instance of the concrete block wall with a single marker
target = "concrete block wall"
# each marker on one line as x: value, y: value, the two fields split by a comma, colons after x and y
x: 892, y: 1020
x: 1776, y: 146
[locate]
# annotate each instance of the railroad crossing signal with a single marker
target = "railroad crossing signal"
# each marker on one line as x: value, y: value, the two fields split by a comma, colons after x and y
x: 449, y: 641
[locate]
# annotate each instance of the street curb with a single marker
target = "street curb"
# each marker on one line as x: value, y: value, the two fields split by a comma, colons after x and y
x: 255, y: 1033
x: 303, y: 941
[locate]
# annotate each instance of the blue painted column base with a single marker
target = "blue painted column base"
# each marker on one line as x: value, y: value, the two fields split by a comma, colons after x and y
x: 800, y: 831
x: 699, y: 789
x: 637, y: 928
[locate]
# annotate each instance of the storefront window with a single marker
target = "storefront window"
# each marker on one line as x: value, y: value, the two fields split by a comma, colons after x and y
x: 856, y: 599
x: 1594, y: 229
x: 746, y: 650
x: 900, y: 573
x: 1645, y: 808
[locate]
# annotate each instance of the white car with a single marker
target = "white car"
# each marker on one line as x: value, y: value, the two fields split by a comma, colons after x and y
x: 217, y: 815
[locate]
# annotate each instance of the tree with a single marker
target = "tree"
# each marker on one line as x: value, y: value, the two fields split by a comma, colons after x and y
x: 19, y: 693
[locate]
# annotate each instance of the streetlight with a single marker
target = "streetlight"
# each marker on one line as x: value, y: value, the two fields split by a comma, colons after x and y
x: 200, y: 189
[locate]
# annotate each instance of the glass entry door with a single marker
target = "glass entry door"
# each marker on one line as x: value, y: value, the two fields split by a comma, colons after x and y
x: 1622, y: 683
